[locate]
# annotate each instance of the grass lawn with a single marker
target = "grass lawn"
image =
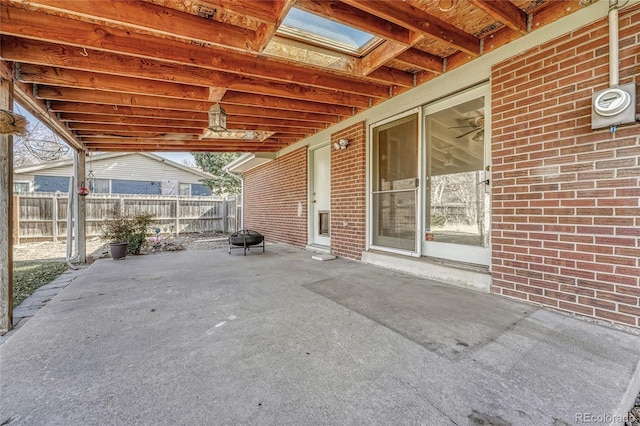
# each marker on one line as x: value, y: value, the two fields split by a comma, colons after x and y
x: 28, y: 276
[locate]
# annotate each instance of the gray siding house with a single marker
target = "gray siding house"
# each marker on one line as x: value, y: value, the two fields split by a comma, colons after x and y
x: 116, y: 173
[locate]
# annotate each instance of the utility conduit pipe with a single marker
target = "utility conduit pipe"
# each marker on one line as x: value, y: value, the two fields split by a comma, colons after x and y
x: 614, y: 57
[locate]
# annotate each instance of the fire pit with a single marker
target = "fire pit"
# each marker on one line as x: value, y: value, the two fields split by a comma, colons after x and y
x: 244, y: 239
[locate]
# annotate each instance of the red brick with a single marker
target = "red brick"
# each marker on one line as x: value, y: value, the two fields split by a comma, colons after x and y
x: 596, y: 303
x: 619, y: 318
x: 579, y: 309
x: 577, y: 290
x: 619, y: 298
x: 632, y: 310
x: 271, y: 196
x: 547, y: 301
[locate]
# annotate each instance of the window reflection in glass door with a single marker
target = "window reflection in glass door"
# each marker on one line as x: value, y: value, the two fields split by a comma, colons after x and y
x: 456, y: 168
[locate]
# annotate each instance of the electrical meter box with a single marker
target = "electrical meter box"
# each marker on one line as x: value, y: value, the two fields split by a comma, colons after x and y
x: 614, y: 106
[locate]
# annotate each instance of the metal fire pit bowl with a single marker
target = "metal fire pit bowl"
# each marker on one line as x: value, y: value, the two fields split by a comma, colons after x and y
x: 245, y: 239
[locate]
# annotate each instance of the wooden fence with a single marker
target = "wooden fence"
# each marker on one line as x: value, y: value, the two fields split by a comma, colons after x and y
x: 42, y: 216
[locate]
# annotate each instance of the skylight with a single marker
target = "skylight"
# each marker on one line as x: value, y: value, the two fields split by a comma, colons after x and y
x: 310, y: 28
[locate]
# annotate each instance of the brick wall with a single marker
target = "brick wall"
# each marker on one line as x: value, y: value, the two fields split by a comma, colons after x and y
x: 566, y: 217
x: 273, y: 193
x: 348, y: 193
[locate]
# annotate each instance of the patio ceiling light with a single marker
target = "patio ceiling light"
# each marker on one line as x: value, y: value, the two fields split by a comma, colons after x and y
x: 217, y: 118
x: 218, y: 128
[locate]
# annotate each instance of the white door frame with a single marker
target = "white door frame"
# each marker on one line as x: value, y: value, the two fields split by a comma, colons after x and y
x: 313, y: 239
x: 458, y: 252
x: 369, y: 203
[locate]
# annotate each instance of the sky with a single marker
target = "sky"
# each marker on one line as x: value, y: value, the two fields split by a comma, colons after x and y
x: 178, y: 157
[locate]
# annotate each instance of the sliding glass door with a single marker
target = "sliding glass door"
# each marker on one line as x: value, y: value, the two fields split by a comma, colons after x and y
x: 457, y: 186
x: 394, y: 186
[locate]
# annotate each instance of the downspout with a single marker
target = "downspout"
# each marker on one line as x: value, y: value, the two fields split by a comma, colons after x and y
x: 614, y: 47
x: 614, y: 54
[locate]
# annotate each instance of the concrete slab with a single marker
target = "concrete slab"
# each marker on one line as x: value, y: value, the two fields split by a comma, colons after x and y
x: 39, y: 298
x: 323, y: 257
x: 201, y: 337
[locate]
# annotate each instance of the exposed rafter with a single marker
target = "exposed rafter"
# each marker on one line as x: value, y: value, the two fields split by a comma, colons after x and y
x: 127, y: 75
x: 411, y: 17
x: 504, y: 12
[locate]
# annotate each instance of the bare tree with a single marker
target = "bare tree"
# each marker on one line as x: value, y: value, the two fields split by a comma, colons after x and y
x: 38, y: 145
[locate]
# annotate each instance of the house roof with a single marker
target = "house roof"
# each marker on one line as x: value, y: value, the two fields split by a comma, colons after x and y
x: 141, y: 76
x: 110, y: 155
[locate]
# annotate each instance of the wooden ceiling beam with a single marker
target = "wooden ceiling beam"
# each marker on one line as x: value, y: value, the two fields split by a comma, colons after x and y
x: 417, y: 20
x: 95, y: 128
x: 554, y: 10
x: 177, y: 141
x: 169, y: 147
x: 233, y: 112
x: 231, y: 98
x: 392, y: 76
x: 156, y: 19
x: 273, y: 102
x: 419, y: 59
x: 266, y: 31
x: 38, y: 26
x: 505, y: 12
x: 116, y: 127
x: 41, y: 53
x: 380, y: 56
x: 54, y: 76
x: 23, y: 94
x: 75, y: 119
x: 184, y: 145
x: 159, y: 137
x: 83, y: 134
x: 90, y: 121
x: 283, y: 141
x: 264, y: 10
x: 355, y: 18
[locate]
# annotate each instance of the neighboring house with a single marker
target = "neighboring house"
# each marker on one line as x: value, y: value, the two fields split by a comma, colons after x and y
x: 489, y: 176
x: 116, y: 173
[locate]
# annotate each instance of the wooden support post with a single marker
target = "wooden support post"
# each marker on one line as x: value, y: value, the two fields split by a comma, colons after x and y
x: 81, y: 212
x: 6, y: 205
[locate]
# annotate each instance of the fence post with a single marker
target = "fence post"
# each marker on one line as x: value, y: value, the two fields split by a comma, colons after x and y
x: 225, y: 219
x: 54, y: 217
x: 16, y: 219
x: 177, y: 216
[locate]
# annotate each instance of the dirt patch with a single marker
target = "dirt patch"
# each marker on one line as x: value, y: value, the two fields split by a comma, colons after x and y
x: 96, y: 248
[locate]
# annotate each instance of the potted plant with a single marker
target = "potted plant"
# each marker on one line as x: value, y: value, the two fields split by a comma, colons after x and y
x: 126, y: 232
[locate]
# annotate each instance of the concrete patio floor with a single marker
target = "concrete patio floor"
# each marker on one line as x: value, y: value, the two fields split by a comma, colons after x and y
x: 207, y: 338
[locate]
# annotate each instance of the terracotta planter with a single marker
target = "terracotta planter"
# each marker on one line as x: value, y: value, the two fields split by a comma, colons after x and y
x: 118, y: 250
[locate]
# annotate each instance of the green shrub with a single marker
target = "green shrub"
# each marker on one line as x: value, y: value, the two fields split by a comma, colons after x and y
x: 131, y: 228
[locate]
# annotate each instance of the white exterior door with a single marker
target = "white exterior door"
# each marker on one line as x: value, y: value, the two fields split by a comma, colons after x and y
x: 321, y: 196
